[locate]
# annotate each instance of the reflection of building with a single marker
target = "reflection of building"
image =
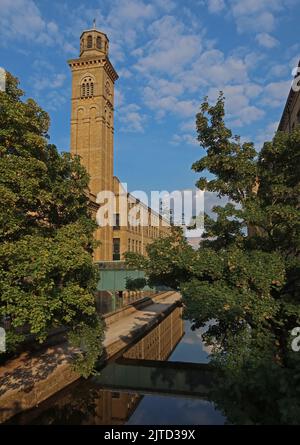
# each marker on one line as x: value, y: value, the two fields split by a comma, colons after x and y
x: 291, y: 113
x: 160, y: 342
x: 116, y: 408
x: 92, y: 138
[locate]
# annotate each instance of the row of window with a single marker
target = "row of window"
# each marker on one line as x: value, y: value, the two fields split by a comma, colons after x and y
x: 150, y: 231
x: 87, y: 88
x: 134, y: 246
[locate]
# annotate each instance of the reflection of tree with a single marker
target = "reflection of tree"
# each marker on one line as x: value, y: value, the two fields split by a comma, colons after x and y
x: 251, y: 387
x: 85, y: 403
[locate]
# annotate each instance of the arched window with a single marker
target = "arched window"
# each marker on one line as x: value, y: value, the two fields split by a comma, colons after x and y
x: 99, y: 42
x: 87, y: 87
x: 90, y: 42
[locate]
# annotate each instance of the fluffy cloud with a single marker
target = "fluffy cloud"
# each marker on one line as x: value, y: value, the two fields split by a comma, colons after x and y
x: 42, y: 82
x: 279, y: 70
x: 215, y: 6
x: 132, y: 119
x: 213, y: 68
x: 266, y: 40
x: 186, y: 138
x: 239, y: 109
x: 22, y: 20
x: 255, y: 15
x: 163, y: 103
x: 275, y: 93
x: 170, y: 48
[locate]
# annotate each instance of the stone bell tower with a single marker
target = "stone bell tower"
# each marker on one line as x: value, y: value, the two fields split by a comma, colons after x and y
x: 92, y: 118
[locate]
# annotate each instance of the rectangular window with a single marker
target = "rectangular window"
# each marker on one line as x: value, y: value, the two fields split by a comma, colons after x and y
x: 116, y: 221
x: 116, y: 249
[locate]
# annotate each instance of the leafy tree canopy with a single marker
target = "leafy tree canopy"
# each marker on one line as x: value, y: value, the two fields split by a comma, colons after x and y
x: 47, y: 276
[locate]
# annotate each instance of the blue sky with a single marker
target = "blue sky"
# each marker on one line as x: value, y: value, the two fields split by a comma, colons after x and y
x: 169, y: 55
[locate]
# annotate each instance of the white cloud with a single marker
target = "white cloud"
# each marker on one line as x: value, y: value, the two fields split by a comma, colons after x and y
x: 255, y: 15
x: 247, y: 115
x: 132, y: 119
x: 167, y: 87
x: 275, y: 93
x: 219, y: 71
x: 239, y: 109
x: 266, y: 40
x: 54, y: 99
x: 215, y: 6
x: 170, y: 48
x: 21, y: 20
x: 248, y: 7
x: 165, y: 5
x: 42, y: 82
x: 130, y: 11
x: 163, y: 103
x: 186, y: 138
x: 279, y: 70
x: 125, y: 73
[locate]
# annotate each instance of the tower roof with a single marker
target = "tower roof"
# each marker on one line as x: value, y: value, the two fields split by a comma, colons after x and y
x: 93, y: 42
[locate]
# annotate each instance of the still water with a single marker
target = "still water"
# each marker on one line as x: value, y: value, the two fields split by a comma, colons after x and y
x: 155, y: 382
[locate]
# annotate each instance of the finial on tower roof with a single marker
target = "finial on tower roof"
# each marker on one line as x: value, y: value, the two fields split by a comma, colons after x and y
x: 94, y: 23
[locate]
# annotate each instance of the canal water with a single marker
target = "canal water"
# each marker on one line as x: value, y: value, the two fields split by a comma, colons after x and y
x: 155, y: 382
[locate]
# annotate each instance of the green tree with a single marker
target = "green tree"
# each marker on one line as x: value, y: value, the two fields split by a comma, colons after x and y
x: 246, y: 275
x: 47, y: 276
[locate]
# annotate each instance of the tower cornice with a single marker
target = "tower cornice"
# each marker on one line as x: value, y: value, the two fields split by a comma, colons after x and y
x: 110, y: 70
x: 83, y: 62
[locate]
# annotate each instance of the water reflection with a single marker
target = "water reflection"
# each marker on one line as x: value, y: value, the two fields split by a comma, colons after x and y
x: 174, y: 411
x: 91, y: 403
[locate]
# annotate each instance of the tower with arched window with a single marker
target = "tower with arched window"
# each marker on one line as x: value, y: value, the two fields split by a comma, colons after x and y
x: 92, y: 118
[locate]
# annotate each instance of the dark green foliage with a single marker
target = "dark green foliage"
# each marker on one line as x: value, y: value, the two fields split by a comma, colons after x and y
x: 135, y: 284
x: 47, y: 276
